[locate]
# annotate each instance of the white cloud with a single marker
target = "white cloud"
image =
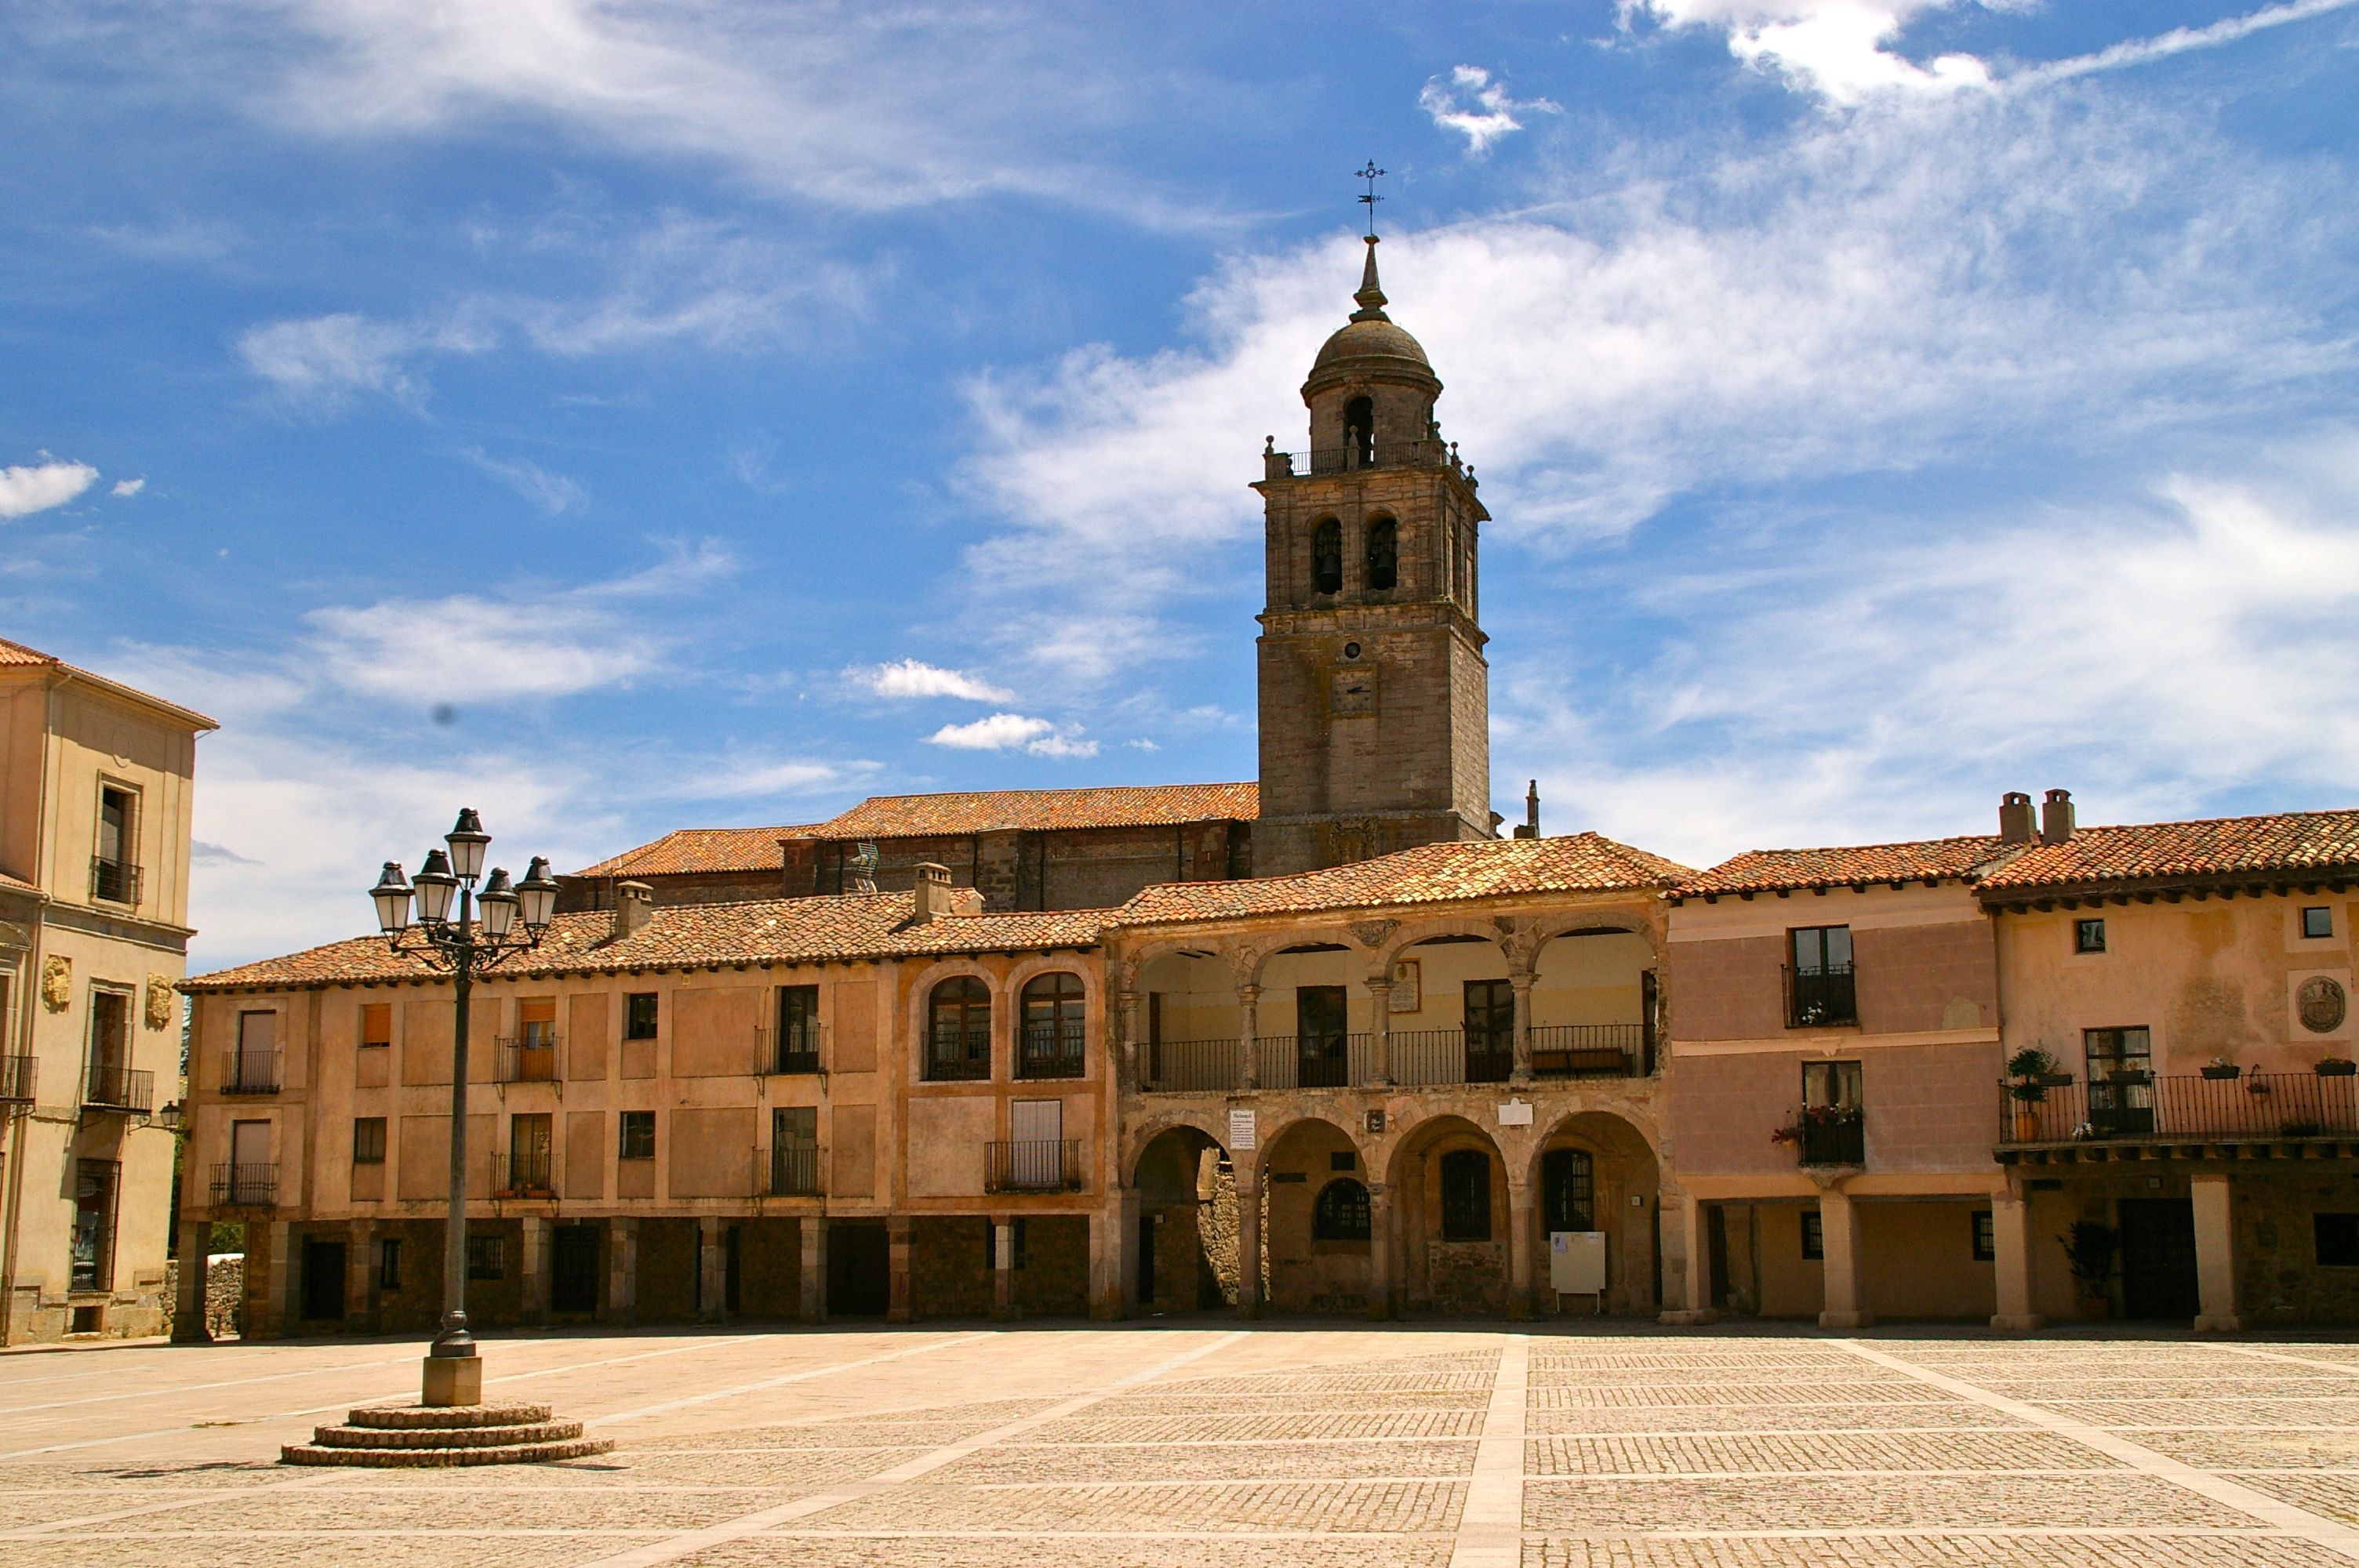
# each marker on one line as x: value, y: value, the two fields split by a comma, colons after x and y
x: 914, y: 678
x: 129, y: 486
x: 25, y: 489
x: 324, y: 361
x: 1835, y: 47
x: 1471, y: 103
x: 2180, y: 40
x: 1012, y: 731
x: 550, y: 493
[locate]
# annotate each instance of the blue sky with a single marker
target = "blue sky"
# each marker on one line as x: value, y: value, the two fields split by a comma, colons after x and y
x: 621, y: 416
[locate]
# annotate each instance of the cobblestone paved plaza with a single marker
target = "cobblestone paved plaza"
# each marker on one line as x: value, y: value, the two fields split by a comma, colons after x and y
x: 1273, y: 1445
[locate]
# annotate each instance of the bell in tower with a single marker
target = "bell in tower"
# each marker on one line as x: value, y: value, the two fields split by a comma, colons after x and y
x: 1375, y: 700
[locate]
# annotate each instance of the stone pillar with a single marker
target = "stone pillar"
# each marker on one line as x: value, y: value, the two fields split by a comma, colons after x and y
x: 1839, y: 1231
x: 2011, y: 1257
x: 897, y: 1241
x: 1248, y: 1038
x: 278, y: 1281
x: 623, y: 1272
x: 2215, y: 1255
x: 1519, y: 1249
x: 712, y: 1271
x: 1123, y: 1246
x: 1687, y: 1263
x: 810, y: 1233
x: 1003, y: 1270
x: 360, y: 1299
x: 188, y: 1290
x: 1126, y: 1061
x: 1248, y: 1245
x: 1381, y: 1284
x: 1380, y: 1031
x: 1520, y: 982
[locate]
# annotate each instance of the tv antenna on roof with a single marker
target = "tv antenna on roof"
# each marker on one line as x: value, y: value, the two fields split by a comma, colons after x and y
x: 1371, y: 174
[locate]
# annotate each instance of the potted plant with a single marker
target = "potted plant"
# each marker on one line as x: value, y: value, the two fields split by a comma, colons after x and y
x: 2031, y: 1073
x: 2221, y: 1067
x: 2089, y: 1247
x: 2336, y: 1067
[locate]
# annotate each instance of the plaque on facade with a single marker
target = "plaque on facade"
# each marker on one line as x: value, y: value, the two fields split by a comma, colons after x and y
x: 2321, y: 1004
x: 1516, y: 1113
x: 1407, y: 994
x: 1241, y: 1130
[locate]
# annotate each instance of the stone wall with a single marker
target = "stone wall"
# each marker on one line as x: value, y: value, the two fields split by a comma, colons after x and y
x: 949, y: 1269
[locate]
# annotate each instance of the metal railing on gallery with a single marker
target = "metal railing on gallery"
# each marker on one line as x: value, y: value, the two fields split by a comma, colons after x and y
x: 246, y: 1071
x: 245, y: 1186
x: 2140, y: 1106
x: 106, y: 1086
x: 794, y: 1170
x: 1033, y: 1165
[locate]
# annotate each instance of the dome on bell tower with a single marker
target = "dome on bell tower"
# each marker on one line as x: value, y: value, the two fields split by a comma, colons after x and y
x: 1370, y: 346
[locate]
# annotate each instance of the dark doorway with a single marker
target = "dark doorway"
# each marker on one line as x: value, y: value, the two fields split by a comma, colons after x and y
x: 1715, y: 1250
x: 2158, y: 1257
x: 1146, y: 1262
x: 859, y: 1269
x: 1490, y: 1031
x: 573, y: 1267
x: 1322, y: 1036
x: 1466, y: 1195
x: 323, y: 1281
x: 732, y: 1249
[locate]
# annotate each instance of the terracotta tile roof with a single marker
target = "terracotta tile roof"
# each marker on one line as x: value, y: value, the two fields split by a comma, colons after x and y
x: 2289, y: 845
x: 777, y: 930
x: 1431, y: 874
x: 686, y: 852
x: 1767, y: 870
x: 1038, y: 810
x: 19, y: 656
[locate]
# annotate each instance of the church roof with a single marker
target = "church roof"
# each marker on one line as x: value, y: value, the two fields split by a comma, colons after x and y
x: 1430, y: 873
x: 1042, y: 810
x: 687, y: 851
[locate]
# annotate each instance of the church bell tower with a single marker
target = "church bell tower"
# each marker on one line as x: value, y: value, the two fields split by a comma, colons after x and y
x: 1374, y: 696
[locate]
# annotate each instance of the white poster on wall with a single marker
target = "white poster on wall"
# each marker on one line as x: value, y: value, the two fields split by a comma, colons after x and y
x: 1241, y: 1130
x: 1516, y: 1113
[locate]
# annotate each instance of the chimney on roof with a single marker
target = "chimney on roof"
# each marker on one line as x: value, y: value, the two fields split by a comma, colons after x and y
x: 1531, y: 827
x: 635, y: 904
x: 934, y: 894
x: 2015, y: 824
x: 2056, y: 817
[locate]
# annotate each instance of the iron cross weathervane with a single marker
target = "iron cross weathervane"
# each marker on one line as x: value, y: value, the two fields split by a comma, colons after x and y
x: 1371, y: 174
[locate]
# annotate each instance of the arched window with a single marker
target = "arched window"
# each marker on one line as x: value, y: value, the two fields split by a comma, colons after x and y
x: 958, y: 1031
x: 1360, y: 432
x: 1384, y: 554
x: 1466, y: 1195
x: 1051, y: 1042
x: 1327, y: 557
x: 1567, y: 1190
x: 1341, y: 1212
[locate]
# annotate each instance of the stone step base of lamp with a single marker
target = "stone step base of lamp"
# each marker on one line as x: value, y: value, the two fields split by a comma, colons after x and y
x: 425, y: 1436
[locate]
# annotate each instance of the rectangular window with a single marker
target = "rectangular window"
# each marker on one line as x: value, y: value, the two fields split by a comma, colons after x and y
x: 1466, y: 1195
x: 376, y: 1025
x: 113, y: 875
x: 2120, y: 1080
x: 1819, y: 991
x: 797, y: 1029
x: 368, y: 1140
x: 2337, y: 1235
x: 2318, y: 920
x: 1814, y: 1237
x: 639, y: 1016
x: 1986, y: 1239
x: 2088, y: 936
x: 638, y: 1135
x: 1490, y: 1013
x: 1834, y: 1116
x: 487, y: 1257
x: 254, y: 1062
x: 388, y: 1263
x: 96, y: 1185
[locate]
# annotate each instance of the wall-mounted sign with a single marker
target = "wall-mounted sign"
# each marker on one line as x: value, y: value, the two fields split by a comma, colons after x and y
x: 1407, y: 994
x: 1241, y: 1130
x: 1516, y: 1113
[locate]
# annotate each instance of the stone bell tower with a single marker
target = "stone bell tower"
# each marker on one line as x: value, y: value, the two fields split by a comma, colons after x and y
x: 1374, y: 694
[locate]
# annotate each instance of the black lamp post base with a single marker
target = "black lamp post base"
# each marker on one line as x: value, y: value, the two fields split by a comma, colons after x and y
x: 453, y: 1381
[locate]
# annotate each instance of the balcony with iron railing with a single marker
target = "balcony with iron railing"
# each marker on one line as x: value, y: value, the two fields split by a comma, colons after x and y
x: 1188, y: 1067
x: 1033, y: 1165
x: 108, y: 1087
x: 16, y: 1076
x: 526, y: 1059
x: 1827, y: 1135
x: 958, y: 1055
x: 245, y: 1071
x: 114, y: 882
x: 1424, y: 1058
x: 1588, y: 1051
x: 1825, y: 997
x: 1310, y: 1060
x: 1428, y: 454
x: 795, y: 1170
x: 1050, y: 1050
x: 245, y: 1186
x: 798, y: 1049
x: 2140, y: 1108
x: 522, y: 1173
x: 1419, y: 1058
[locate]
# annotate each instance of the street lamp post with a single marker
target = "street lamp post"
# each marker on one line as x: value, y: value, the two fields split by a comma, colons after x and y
x: 484, y: 933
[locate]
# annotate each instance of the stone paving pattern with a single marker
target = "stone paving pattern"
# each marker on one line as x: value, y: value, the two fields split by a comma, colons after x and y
x: 1196, y: 1441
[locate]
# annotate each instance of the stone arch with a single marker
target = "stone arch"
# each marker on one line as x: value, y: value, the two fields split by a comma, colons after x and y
x: 1098, y: 1020
x: 1596, y: 997
x: 1183, y: 1254
x: 1438, y: 1270
x: 1188, y: 1027
x: 1303, y: 1273
x: 1624, y: 1164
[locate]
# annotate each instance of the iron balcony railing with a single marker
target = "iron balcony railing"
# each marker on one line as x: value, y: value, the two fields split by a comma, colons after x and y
x: 794, y: 1170
x: 1033, y: 1165
x: 1589, y: 1050
x: 1822, y: 998
x: 1831, y: 1138
x: 106, y: 1086
x: 958, y: 1055
x: 116, y: 881
x: 245, y: 1186
x: 1310, y: 1060
x: 526, y: 1059
x: 522, y: 1173
x: 247, y: 1071
x: 1183, y: 1066
x: 1377, y: 455
x: 16, y: 1078
x: 2140, y: 1106
x: 1424, y: 1056
x: 1050, y: 1050
x: 797, y: 1050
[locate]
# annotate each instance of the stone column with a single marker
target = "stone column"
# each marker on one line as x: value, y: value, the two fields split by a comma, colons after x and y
x: 1380, y: 1251
x: 1127, y: 1060
x: 712, y: 1271
x: 1248, y: 1038
x: 2215, y: 1255
x: 1687, y: 1263
x: 188, y: 1290
x: 1519, y: 1249
x: 278, y: 1281
x: 623, y: 1272
x: 1839, y: 1230
x: 1520, y: 982
x: 810, y: 1233
x: 1248, y: 1245
x: 897, y: 1241
x: 2011, y: 1258
x: 1380, y: 1031
x: 1003, y: 1270
x: 361, y: 1302
x: 1125, y: 1248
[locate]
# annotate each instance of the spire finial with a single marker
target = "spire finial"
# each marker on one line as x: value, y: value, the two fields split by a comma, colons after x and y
x: 1371, y: 297
x: 1370, y: 173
